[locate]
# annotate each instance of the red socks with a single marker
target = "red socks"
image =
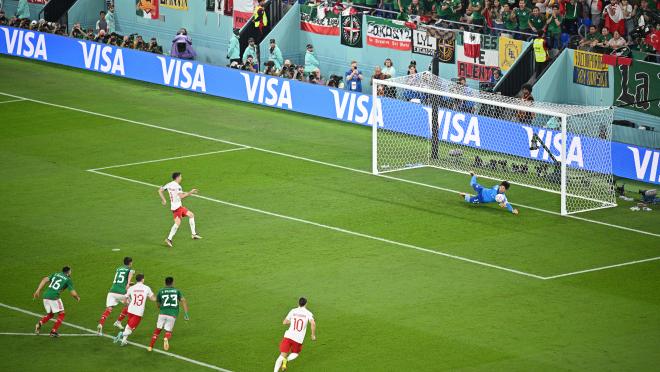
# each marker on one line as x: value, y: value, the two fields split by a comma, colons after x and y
x: 58, y: 323
x: 168, y: 335
x: 105, y: 314
x: 124, y: 311
x: 154, y: 337
x: 46, y: 318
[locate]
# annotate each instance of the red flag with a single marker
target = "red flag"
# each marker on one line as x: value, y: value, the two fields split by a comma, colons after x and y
x: 653, y: 39
x: 609, y: 59
x: 625, y: 61
x: 471, y: 44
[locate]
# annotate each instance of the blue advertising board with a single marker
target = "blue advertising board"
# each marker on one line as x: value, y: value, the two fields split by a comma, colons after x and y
x: 472, y: 130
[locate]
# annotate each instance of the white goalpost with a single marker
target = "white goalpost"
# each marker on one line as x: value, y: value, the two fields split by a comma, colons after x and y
x: 429, y: 122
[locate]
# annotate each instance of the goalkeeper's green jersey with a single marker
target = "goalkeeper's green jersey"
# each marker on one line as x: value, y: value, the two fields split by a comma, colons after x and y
x: 58, y: 283
x: 121, y: 279
x: 168, y: 301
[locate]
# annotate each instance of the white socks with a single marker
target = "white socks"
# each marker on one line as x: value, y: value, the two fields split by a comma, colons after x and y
x: 278, y: 363
x: 192, y: 226
x: 127, y: 332
x: 292, y: 356
x: 175, y: 227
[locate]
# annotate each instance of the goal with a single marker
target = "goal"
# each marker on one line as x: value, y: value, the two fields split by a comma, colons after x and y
x: 429, y: 122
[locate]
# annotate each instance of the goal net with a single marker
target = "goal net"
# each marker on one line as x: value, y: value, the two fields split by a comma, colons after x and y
x: 428, y: 121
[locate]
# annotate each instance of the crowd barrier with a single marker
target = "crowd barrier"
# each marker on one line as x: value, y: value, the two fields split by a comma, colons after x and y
x: 628, y: 161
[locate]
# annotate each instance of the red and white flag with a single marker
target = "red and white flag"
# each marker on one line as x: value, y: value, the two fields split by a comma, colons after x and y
x: 471, y: 44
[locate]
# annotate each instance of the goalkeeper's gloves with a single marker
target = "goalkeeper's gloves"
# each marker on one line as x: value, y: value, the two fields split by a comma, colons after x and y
x: 185, y: 316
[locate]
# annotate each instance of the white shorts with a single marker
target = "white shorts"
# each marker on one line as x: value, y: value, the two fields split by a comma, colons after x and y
x: 165, y: 322
x: 53, y: 306
x: 114, y: 299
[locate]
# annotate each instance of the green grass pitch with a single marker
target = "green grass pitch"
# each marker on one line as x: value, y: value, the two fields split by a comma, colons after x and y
x: 400, y: 277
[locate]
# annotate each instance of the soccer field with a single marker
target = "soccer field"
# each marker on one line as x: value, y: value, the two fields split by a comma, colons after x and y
x: 399, y: 275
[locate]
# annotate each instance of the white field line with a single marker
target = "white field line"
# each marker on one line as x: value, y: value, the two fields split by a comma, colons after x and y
x: 172, y: 158
x: 47, y: 335
x: 312, y: 160
x: 601, y: 268
x: 13, y: 100
x: 176, y: 356
x: 333, y: 228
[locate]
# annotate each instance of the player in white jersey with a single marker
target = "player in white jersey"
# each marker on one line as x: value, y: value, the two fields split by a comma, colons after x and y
x: 137, y: 296
x: 178, y: 210
x: 297, y: 320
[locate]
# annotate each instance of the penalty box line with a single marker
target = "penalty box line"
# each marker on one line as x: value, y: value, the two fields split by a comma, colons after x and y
x: 329, y: 227
x: 92, y: 333
x: 196, y: 135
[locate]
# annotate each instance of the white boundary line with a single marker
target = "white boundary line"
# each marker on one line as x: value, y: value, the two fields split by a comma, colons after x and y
x: 47, y: 335
x: 348, y: 169
x: 312, y: 160
x: 13, y: 100
x: 601, y: 268
x: 328, y: 227
x: 172, y: 158
x: 176, y: 356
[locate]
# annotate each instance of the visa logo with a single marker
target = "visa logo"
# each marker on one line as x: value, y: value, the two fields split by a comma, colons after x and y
x: 265, y: 90
x: 642, y: 164
x: 103, y: 58
x: 452, y: 127
x: 351, y: 106
x: 180, y: 74
x: 22, y: 43
x: 553, y: 141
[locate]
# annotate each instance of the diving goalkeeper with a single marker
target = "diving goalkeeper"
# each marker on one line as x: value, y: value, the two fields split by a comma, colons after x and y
x: 484, y: 195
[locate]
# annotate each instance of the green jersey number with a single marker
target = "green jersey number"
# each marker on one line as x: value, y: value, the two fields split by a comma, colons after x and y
x: 55, y: 283
x: 174, y: 300
x: 120, y: 277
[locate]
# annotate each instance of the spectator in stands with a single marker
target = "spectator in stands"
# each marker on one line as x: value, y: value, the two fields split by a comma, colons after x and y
x: 234, y: 49
x: 613, y: 14
x: 495, y: 77
x: 592, y: 38
x: 275, y: 55
x: 522, y: 14
x: 353, y: 78
x: 495, y: 17
x: 389, y: 69
x: 3, y: 18
x: 526, y: 117
x: 182, y: 46
x: 389, y: 6
x: 617, y: 41
x: 153, y: 47
x: 110, y: 18
x: 628, y: 20
x: 474, y: 9
x: 250, y: 50
x: 602, y: 45
x: 23, y: 10
x: 311, y: 62
x: 377, y: 75
x: 554, y: 27
x: 415, y: 10
x: 573, y: 11
x: 595, y: 9
x: 101, y: 24
x: 508, y: 18
x: 536, y: 21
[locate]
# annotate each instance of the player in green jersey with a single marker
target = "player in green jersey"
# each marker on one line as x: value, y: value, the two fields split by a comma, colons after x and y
x: 117, y: 294
x: 168, y: 302
x: 57, y: 282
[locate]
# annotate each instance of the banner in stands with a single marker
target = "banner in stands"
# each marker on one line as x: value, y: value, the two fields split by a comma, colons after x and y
x: 175, y: 4
x: 589, y: 69
x: 481, y: 67
x: 510, y: 49
x: 34, y: 1
x: 243, y: 10
x: 351, y: 30
x: 319, y: 20
x: 147, y: 9
x: 388, y: 33
x: 636, y: 84
x: 321, y: 101
x: 422, y: 42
